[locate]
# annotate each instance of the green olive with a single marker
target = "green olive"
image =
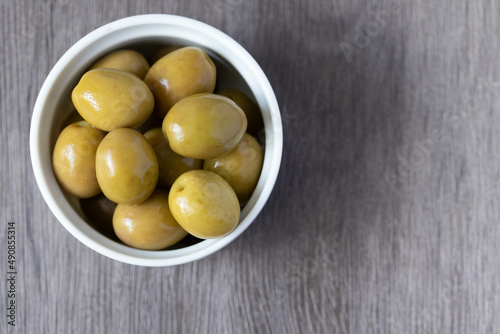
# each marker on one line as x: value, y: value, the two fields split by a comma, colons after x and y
x: 170, y: 164
x: 126, y: 166
x: 163, y: 52
x: 240, y: 168
x: 126, y: 60
x: 73, y: 159
x: 180, y: 73
x: 149, y: 225
x: 204, y: 204
x: 110, y: 99
x: 204, y: 126
x: 251, y: 109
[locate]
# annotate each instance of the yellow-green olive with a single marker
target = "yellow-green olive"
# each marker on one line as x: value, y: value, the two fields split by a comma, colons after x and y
x: 171, y: 165
x: 251, y: 109
x: 110, y: 99
x: 163, y: 52
x: 126, y: 60
x: 204, y: 204
x: 149, y: 225
x: 73, y: 159
x: 126, y: 166
x: 240, y: 168
x: 180, y: 73
x: 204, y: 126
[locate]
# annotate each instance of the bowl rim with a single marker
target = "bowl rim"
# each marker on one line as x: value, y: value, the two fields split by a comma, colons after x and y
x: 106, y: 246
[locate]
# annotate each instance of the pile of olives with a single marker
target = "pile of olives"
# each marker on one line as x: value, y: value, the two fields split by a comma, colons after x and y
x: 157, y: 153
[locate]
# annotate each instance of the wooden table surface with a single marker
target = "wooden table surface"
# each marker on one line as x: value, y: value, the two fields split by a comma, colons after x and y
x: 385, y: 216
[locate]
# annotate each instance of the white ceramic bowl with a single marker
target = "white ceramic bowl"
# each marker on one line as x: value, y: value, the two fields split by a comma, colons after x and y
x: 54, y: 102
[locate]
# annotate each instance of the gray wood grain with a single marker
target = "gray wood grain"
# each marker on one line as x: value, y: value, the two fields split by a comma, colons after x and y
x: 385, y: 216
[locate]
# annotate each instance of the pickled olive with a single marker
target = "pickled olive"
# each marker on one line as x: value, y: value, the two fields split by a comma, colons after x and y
x: 251, y: 109
x: 166, y: 129
x: 204, y: 126
x: 126, y: 166
x: 204, y: 204
x: 179, y: 74
x: 126, y: 60
x: 110, y: 99
x: 163, y: 52
x: 149, y: 225
x: 170, y: 164
x: 73, y: 159
x: 240, y: 168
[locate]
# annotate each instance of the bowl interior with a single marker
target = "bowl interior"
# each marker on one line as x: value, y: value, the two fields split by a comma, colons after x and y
x: 147, y: 33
